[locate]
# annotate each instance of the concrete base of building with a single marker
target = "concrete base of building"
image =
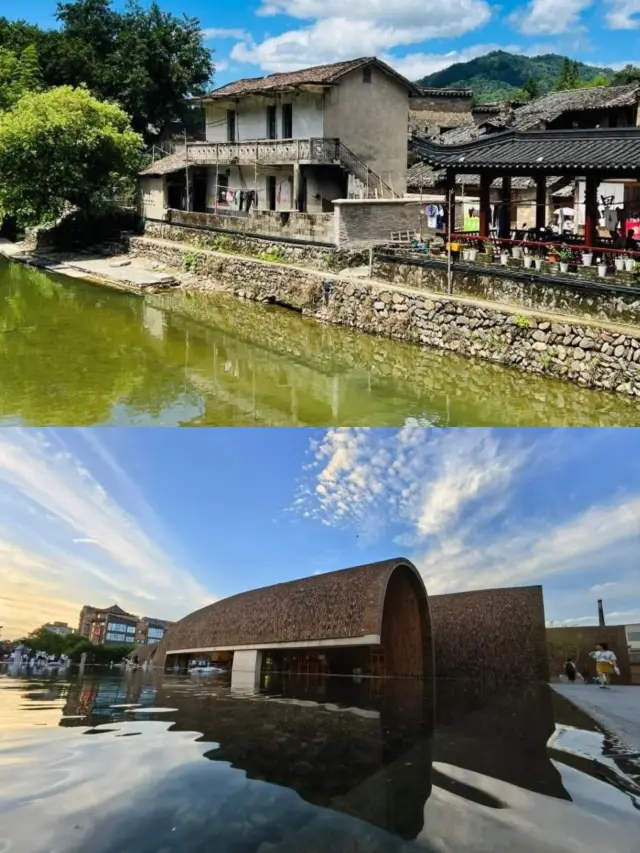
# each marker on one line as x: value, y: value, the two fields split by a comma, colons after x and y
x: 246, y: 670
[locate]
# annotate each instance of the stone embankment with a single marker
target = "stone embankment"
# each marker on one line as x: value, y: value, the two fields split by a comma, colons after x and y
x: 589, y: 353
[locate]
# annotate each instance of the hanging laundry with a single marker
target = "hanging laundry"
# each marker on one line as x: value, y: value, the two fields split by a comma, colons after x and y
x: 230, y: 197
x: 431, y: 212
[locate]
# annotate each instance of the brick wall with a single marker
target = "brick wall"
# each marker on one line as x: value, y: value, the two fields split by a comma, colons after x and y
x: 495, y: 634
x: 367, y: 222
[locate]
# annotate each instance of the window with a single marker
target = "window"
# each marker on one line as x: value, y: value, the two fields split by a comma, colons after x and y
x: 118, y: 627
x: 155, y: 633
x: 130, y: 629
x: 231, y: 125
x: 633, y: 636
x: 116, y: 638
x: 367, y: 74
x: 272, y: 127
x: 287, y: 121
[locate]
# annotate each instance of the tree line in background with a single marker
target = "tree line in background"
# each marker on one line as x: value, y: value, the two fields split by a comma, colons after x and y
x: 570, y: 78
x: 74, y: 645
x: 79, y: 104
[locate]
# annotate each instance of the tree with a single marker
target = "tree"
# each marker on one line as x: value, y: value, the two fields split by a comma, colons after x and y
x: 147, y: 60
x: 569, y: 77
x: 628, y: 74
x: 19, y: 74
x: 531, y: 89
x: 64, y: 148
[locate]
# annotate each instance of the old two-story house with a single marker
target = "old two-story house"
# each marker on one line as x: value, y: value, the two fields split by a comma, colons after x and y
x: 291, y: 143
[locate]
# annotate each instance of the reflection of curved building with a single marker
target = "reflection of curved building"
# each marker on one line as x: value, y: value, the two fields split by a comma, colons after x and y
x: 372, y: 619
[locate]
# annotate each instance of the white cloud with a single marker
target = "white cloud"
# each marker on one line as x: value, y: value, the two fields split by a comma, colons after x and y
x: 449, y: 498
x: 127, y: 561
x: 210, y: 33
x: 363, y: 27
x: 623, y: 15
x: 546, y: 17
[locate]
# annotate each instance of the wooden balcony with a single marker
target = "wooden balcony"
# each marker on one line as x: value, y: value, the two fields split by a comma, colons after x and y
x: 274, y: 152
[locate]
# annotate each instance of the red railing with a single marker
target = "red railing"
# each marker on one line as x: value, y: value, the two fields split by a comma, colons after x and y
x: 577, y: 249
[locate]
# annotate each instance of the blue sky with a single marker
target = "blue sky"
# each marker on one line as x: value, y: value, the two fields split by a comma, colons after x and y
x: 165, y: 521
x: 253, y: 37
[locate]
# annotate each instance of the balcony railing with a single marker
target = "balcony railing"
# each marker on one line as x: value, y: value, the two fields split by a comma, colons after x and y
x: 265, y: 151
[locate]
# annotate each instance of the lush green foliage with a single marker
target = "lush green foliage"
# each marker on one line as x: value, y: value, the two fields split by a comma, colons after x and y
x: 64, y: 147
x: 629, y: 74
x: 500, y: 75
x: 19, y: 74
x: 74, y: 646
x: 146, y: 60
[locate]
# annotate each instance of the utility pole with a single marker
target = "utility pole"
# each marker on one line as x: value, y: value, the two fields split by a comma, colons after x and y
x: 601, y: 620
x: 186, y: 169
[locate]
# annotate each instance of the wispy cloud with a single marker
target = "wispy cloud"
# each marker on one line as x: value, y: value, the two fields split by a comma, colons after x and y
x: 126, y: 559
x: 211, y: 33
x: 460, y: 502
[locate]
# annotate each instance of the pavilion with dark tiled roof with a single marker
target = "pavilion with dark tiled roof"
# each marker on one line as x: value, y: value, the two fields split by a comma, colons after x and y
x: 597, y: 154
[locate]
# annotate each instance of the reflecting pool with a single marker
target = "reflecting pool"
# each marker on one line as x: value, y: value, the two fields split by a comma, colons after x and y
x: 74, y: 353
x: 142, y: 762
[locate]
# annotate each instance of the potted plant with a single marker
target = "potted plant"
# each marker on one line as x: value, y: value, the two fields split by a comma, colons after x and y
x: 619, y: 262
x: 565, y: 258
x: 528, y: 261
x: 516, y: 251
x: 465, y: 254
x: 538, y: 263
x: 587, y: 258
x: 629, y: 264
x: 504, y: 257
x: 602, y: 267
x: 552, y: 255
x: 473, y: 254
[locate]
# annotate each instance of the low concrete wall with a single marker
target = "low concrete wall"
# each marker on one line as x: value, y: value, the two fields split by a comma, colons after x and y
x: 564, y: 297
x: 316, y: 257
x: 368, y: 222
x: 316, y: 227
x: 576, y: 643
x: 588, y: 354
x: 495, y: 634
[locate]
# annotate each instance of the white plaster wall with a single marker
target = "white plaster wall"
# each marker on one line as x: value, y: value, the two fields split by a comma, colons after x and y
x: 372, y: 120
x: 152, y: 198
x: 251, y: 121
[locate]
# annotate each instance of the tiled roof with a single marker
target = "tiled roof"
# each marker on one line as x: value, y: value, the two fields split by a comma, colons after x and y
x: 342, y: 604
x: 552, y: 106
x: 568, y: 151
x: 444, y: 92
x: 171, y: 163
x: 319, y: 75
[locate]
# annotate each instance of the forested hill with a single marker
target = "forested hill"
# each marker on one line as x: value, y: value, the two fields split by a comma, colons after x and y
x: 500, y: 75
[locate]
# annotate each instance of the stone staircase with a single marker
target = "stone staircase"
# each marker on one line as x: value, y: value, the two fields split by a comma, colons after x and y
x: 370, y: 184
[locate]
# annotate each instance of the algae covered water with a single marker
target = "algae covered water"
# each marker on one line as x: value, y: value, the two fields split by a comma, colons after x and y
x: 80, y: 354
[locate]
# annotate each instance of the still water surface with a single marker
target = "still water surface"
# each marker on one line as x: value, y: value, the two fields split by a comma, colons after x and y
x: 141, y: 763
x: 73, y: 353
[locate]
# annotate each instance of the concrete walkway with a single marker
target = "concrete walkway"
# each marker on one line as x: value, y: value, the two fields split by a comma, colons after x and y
x: 617, y: 709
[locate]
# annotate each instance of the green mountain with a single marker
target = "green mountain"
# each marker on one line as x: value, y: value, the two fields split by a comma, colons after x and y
x: 499, y: 75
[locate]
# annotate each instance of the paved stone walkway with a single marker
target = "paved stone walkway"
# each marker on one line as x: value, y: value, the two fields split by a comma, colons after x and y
x: 617, y: 709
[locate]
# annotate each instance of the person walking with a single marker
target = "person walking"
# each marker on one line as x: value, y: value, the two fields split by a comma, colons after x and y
x: 570, y: 670
x: 606, y: 664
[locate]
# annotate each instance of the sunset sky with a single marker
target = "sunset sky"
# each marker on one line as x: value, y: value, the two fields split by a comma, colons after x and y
x: 165, y: 521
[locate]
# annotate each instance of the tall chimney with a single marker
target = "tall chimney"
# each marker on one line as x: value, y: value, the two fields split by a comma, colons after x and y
x: 601, y: 621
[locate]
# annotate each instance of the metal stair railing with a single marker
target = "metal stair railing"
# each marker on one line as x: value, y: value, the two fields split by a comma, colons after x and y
x: 363, y: 173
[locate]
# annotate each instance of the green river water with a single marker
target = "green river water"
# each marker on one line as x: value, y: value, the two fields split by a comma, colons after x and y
x: 74, y: 353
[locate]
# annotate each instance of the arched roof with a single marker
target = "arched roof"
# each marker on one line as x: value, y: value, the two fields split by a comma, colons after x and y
x: 346, y: 604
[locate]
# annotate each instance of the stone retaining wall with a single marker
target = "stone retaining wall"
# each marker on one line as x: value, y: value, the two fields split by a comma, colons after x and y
x: 316, y: 257
x: 587, y: 354
x: 566, y: 298
x: 319, y: 227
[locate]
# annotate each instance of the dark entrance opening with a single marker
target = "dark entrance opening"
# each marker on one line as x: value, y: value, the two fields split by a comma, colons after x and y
x: 272, y: 127
x: 231, y: 125
x: 287, y: 121
x: 271, y: 192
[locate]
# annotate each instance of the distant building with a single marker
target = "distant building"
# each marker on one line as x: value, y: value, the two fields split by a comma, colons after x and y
x: 150, y: 631
x: 633, y: 637
x: 60, y: 628
x: 115, y: 625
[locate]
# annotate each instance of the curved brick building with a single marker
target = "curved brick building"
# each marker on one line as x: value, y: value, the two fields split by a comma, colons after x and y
x: 372, y: 619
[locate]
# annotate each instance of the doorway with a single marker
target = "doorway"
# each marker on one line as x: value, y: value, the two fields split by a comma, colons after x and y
x: 272, y: 126
x: 271, y: 192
